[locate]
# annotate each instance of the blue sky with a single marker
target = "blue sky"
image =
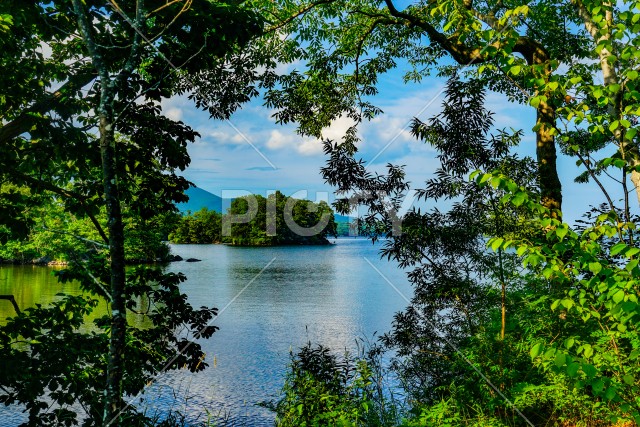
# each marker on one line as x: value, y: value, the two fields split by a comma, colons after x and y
x: 251, y: 153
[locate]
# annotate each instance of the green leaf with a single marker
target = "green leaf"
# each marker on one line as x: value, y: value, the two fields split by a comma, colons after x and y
x: 518, y: 199
x: 484, y: 178
x: 560, y: 359
x: 618, y: 296
x: 497, y: 243
x: 630, y: 133
x: 587, y: 351
x: 572, y: 369
x: 589, y: 370
x: 561, y: 232
x: 614, y: 125
x: 631, y: 252
x: 617, y: 248
x: 610, y: 393
x: 536, y: 350
x: 595, y: 267
x: 597, y: 386
x: 535, y: 101
x: 629, y: 306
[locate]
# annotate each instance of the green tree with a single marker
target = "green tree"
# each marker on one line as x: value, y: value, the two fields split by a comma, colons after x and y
x: 111, y: 64
x: 204, y: 226
x: 575, y: 62
x: 279, y: 220
x: 464, y: 298
x: 550, y: 55
x: 516, y: 315
x: 323, y: 390
x: 60, y: 236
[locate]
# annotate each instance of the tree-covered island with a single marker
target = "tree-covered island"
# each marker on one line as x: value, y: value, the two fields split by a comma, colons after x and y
x: 260, y: 221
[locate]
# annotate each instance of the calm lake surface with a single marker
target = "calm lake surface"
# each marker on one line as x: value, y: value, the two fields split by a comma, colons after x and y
x: 270, y: 300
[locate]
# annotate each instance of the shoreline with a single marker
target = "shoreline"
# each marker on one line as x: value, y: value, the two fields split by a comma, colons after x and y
x: 44, y: 262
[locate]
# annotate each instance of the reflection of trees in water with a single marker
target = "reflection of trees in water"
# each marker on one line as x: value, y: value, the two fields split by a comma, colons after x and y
x: 31, y: 285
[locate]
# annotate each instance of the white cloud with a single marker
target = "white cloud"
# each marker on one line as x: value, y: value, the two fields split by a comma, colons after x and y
x: 174, y: 107
x: 215, y: 136
x: 309, y: 147
x: 338, y: 128
x: 278, y: 140
x: 389, y: 128
x: 46, y: 50
x: 174, y: 113
x: 509, y: 114
x: 239, y: 138
x: 282, y: 68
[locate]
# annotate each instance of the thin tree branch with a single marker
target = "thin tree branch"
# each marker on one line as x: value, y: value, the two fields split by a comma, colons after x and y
x: 295, y: 15
x: 12, y: 300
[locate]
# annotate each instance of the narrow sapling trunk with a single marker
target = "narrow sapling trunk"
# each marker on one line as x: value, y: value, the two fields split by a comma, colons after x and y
x: 113, y: 402
x: 115, y: 368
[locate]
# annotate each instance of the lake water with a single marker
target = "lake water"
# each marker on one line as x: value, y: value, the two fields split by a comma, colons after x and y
x: 271, y: 301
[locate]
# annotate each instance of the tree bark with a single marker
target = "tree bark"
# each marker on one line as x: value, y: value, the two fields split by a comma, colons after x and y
x: 115, y: 368
x: 550, y: 186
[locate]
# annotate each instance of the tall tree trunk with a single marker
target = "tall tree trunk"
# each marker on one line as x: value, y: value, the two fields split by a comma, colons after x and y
x: 550, y: 186
x: 113, y: 394
x: 610, y: 77
x: 113, y: 402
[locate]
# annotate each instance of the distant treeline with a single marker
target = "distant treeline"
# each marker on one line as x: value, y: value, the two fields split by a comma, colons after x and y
x: 258, y: 221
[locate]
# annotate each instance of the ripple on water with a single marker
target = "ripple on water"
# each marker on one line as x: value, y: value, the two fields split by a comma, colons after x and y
x: 323, y: 294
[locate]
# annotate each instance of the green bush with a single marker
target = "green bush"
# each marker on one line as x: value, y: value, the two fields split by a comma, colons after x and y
x: 322, y: 389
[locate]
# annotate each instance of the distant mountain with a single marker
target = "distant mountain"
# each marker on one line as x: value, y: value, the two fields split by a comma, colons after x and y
x: 342, y: 218
x: 198, y: 199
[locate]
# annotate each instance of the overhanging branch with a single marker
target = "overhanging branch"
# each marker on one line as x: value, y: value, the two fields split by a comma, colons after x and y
x: 25, y: 121
x: 531, y: 49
